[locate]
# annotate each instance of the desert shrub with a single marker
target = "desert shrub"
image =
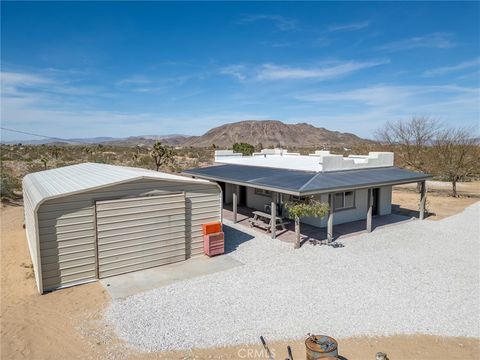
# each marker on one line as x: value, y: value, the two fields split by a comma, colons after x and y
x: 9, y: 184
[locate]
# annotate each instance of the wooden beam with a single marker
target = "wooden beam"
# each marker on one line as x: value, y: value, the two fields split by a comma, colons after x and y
x: 369, y: 210
x: 234, y: 198
x: 330, y: 219
x: 273, y: 220
x: 423, y: 198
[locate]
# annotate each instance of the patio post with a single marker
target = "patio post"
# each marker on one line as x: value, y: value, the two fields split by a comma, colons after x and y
x: 330, y: 219
x: 234, y: 205
x: 423, y: 199
x: 369, y: 210
x: 273, y: 220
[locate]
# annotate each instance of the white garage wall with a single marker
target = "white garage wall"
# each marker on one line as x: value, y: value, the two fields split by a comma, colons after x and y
x: 67, y: 226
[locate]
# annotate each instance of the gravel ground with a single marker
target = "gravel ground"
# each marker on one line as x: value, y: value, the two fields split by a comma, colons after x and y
x: 417, y: 277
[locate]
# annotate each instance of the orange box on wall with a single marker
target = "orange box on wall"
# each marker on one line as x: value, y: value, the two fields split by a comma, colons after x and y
x: 212, y: 227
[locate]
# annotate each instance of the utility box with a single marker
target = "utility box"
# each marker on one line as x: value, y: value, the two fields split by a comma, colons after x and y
x: 212, y: 227
x: 214, y: 244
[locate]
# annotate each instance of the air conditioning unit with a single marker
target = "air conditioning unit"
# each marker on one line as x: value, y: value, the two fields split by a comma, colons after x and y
x: 268, y: 209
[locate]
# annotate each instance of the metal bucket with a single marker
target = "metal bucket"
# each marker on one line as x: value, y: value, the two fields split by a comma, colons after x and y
x: 321, y: 347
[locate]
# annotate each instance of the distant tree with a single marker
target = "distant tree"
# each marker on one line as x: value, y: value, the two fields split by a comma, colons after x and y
x: 55, y: 151
x: 244, y: 148
x: 259, y: 147
x: 44, y: 161
x: 456, y: 155
x: 410, y: 140
x: 91, y: 152
x: 214, y: 146
x: 299, y: 209
x: 161, y: 155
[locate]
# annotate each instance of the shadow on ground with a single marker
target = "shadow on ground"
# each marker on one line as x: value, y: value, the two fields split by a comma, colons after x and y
x: 234, y: 238
x: 399, y: 210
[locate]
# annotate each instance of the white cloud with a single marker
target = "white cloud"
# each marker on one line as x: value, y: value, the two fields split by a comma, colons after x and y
x: 387, y: 95
x: 363, y: 110
x: 279, y: 72
x: 237, y: 71
x: 454, y: 68
x: 349, y: 27
x: 13, y: 81
x: 281, y: 22
x: 435, y: 40
x: 134, y: 80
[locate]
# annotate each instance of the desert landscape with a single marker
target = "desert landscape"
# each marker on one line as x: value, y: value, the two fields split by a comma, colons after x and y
x: 195, y: 180
x: 70, y: 323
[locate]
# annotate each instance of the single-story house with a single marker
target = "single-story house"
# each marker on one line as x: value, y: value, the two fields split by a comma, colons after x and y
x: 89, y: 221
x: 355, y: 187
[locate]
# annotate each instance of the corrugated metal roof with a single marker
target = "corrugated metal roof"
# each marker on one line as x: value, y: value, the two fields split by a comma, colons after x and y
x: 306, y: 182
x: 87, y: 176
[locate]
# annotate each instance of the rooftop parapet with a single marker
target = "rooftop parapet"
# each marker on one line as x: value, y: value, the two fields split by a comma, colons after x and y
x: 276, y: 151
x: 225, y: 154
x: 320, y: 161
x: 372, y: 160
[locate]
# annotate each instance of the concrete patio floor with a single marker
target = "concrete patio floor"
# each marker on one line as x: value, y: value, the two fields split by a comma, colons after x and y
x: 124, y: 285
x: 314, y: 234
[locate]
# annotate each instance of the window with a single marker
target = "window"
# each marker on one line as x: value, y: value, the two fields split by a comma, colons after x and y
x: 344, y: 200
x: 298, y: 198
x: 262, y: 192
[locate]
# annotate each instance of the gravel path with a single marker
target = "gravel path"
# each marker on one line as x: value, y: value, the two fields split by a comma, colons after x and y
x: 417, y: 277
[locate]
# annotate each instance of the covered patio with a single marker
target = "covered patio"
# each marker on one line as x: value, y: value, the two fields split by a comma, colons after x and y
x: 277, y: 183
x: 313, y: 234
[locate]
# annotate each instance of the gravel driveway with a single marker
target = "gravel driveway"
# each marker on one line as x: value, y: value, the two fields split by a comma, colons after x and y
x: 417, y: 277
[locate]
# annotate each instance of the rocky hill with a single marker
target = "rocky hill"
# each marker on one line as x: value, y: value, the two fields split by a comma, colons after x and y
x: 255, y: 132
x: 271, y: 133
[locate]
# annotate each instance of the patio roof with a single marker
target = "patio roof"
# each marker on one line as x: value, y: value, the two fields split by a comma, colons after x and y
x: 296, y: 182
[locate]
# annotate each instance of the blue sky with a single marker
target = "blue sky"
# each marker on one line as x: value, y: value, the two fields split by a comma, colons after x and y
x: 122, y: 68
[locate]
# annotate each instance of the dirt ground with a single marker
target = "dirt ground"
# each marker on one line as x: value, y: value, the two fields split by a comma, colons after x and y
x: 67, y: 324
x: 440, y: 204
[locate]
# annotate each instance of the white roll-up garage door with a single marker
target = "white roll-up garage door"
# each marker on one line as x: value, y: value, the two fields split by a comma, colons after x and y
x: 140, y: 233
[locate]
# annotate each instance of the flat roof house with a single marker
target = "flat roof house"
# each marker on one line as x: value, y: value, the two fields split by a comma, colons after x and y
x: 89, y: 221
x: 355, y: 187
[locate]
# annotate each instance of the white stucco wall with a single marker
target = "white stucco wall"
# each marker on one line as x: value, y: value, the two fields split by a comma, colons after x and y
x: 385, y: 200
x: 229, y: 193
x: 360, y: 210
x: 343, y: 216
x: 256, y: 201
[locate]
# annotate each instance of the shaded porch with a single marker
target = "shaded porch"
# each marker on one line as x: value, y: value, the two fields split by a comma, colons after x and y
x: 311, y: 233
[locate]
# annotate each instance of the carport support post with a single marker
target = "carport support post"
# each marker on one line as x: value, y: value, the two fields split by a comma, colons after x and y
x: 423, y: 198
x: 234, y: 204
x: 369, y: 210
x: 330, y: 219
x: 273, y: 220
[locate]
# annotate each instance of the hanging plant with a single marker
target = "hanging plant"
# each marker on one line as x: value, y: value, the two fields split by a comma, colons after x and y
x: 307, y: 208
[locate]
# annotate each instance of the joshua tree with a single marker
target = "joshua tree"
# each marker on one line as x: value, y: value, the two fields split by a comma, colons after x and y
x: 55, y: 151
x: 44, y: 160
x: 161, y: 155
x: 309, y: 207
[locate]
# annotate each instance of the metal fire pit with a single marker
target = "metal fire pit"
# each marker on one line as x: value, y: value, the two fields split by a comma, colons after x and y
x: 321, y: 347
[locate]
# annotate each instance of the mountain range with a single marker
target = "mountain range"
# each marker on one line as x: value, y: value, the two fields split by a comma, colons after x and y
x: 265, y: 132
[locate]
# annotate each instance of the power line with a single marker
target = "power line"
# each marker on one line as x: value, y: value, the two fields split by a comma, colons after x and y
x: 44, y: 136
